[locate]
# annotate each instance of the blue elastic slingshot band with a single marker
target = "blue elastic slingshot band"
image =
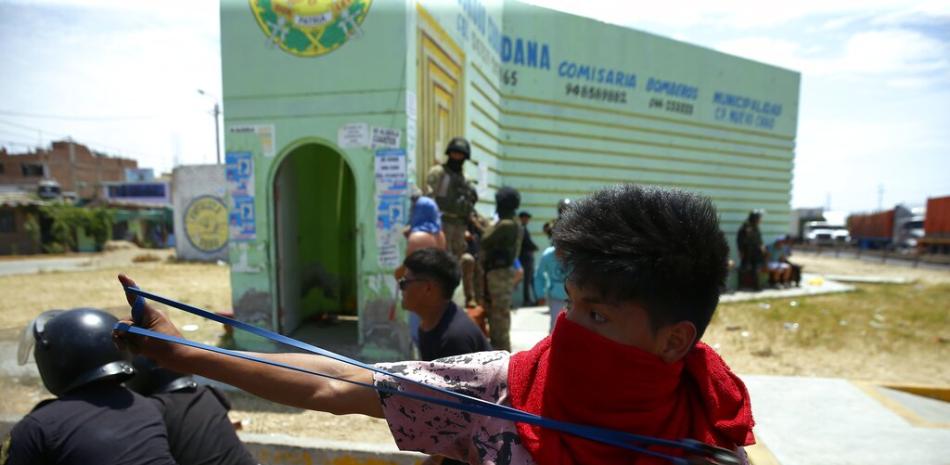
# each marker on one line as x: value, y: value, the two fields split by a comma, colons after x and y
x: 137, y: 308
x: 633, y: 442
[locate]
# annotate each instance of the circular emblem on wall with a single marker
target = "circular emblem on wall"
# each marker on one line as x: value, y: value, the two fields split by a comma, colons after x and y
x: 310, y: 28
x: 206, y: 223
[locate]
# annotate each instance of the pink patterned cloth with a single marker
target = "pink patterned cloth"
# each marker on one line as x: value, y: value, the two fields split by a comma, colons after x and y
x: 438, y: 430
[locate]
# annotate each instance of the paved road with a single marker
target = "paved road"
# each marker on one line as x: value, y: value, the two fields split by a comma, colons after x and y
x: 8, y: 267
x: 876, y: 257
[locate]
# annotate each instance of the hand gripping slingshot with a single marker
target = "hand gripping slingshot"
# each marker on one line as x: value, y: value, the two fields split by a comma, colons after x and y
x: 696, y: 453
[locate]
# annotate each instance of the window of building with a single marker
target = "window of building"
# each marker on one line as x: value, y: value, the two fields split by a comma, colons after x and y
x: 137, y: 190
x: 31, y: 170
x: 7, y: 221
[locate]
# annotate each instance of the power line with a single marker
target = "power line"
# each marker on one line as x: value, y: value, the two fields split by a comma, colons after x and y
x: 31, y: 132
x: 16, y: 137
x: 20, y: 126
x: 20, y: 144
x: 97, y: 146
x: 76, y: 117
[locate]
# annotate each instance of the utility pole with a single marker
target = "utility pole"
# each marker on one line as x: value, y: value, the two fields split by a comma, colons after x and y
x: 880, y: 197
x: 217, y: 137
x: 215, y: 112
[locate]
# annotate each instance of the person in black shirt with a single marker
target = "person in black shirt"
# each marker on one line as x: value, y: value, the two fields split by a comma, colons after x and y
x: 427, y: 287
x: 199, y: 430
x: 94, y: 419
x: 751, y: 251
x: 526, y: 255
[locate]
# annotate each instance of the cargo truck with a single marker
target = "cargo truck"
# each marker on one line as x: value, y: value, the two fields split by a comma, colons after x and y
x: 936, y: 226
x: 897, y: 228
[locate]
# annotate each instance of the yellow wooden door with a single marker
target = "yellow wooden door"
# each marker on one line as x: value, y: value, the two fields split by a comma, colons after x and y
x: 441, y: 102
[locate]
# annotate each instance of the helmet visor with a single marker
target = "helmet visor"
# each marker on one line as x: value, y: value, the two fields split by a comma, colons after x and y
x: 32, y: 331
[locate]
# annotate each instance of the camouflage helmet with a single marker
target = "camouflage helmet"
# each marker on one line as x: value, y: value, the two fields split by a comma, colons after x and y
x: 459, y: 144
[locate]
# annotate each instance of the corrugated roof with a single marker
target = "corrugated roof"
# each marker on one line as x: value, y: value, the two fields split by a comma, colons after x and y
x: 19, y: 199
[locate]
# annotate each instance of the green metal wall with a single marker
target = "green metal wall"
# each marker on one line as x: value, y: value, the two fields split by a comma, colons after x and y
x: 538, y: 108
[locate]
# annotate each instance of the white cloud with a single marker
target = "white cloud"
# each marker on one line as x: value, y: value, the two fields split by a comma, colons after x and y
x: 785, y: 53
x: 893, y: 51
x: 737, y: 14
x: 908, y: 57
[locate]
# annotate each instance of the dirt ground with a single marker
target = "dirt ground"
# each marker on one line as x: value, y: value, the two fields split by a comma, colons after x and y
x: 204, y: 285
x: 894, y: 333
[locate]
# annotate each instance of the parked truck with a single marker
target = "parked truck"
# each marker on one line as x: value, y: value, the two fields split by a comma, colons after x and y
x: 936, y: 226
x: 898, y: 228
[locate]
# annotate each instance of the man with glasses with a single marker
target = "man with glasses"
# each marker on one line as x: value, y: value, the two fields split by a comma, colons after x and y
x: 427, y: 286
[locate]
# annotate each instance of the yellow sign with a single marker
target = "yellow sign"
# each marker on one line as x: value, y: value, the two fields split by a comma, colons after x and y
x: 206, y: 224
x: 310, y: 28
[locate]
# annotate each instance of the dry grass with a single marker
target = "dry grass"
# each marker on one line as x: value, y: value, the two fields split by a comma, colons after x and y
x: 203, y: 285
x: 145, y: 258
x: 883, y: 332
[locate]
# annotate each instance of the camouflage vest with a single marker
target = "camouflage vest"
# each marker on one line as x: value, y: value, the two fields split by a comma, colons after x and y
x: 452, y: 192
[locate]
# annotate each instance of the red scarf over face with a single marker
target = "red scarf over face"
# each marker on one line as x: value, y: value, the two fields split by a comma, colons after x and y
x: 579, y: 376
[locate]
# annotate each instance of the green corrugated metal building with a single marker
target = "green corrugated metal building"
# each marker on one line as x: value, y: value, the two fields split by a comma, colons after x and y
x: 333, y: 109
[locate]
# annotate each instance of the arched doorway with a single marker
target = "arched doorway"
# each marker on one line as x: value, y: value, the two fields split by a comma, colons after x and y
x: 315, y: 235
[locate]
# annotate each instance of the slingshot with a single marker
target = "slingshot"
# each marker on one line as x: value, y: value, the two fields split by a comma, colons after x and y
x: 697, y: 453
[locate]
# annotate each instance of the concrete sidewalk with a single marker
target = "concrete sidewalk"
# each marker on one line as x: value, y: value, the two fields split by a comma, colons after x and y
x: 812, y: 284
x: 807, y: 421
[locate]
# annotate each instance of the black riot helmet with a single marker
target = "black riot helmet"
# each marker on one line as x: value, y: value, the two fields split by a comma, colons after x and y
x: 459, y: 144
x: 152, y: 379
x: 73, y: 348
x: 562, y: 206
x: 507, y: 201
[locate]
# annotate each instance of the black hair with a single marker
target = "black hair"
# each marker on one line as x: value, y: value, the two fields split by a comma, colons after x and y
x: 507, y: 200
x: 661, y: 248
x: 437, y: 265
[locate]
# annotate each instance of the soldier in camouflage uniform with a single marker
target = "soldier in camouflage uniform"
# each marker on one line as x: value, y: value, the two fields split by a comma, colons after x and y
x: 455, y: 196
x: 473, y: 277
x: 499, y: 248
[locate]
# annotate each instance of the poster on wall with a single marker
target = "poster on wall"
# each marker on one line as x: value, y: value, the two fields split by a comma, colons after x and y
x: 391, y: 193
x: 264, y: 133
x: 389, y: 221
x: 390, y: 170
x: 353, y: 136
x: 385, y: 138
x: 411, y: 130
x: 240, y: 177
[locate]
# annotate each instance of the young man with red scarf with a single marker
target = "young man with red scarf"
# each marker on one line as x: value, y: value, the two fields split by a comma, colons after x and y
x: 646, y: 265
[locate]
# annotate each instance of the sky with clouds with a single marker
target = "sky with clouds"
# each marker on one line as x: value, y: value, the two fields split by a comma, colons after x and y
x: 875, y: 98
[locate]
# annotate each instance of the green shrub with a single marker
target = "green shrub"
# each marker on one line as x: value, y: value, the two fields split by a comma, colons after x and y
x: 67, y: 219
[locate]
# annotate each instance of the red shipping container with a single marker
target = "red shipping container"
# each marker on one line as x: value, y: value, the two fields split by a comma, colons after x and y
x: 872, y: 225
x: 937, y: 221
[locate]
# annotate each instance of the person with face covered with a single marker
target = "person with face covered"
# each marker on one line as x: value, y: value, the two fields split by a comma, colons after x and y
x: 500, y: 246
x: 455, y: 195
x: 626, y: 355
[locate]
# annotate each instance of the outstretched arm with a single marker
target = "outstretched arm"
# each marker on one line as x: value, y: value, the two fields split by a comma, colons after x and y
x: 273, y: 383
